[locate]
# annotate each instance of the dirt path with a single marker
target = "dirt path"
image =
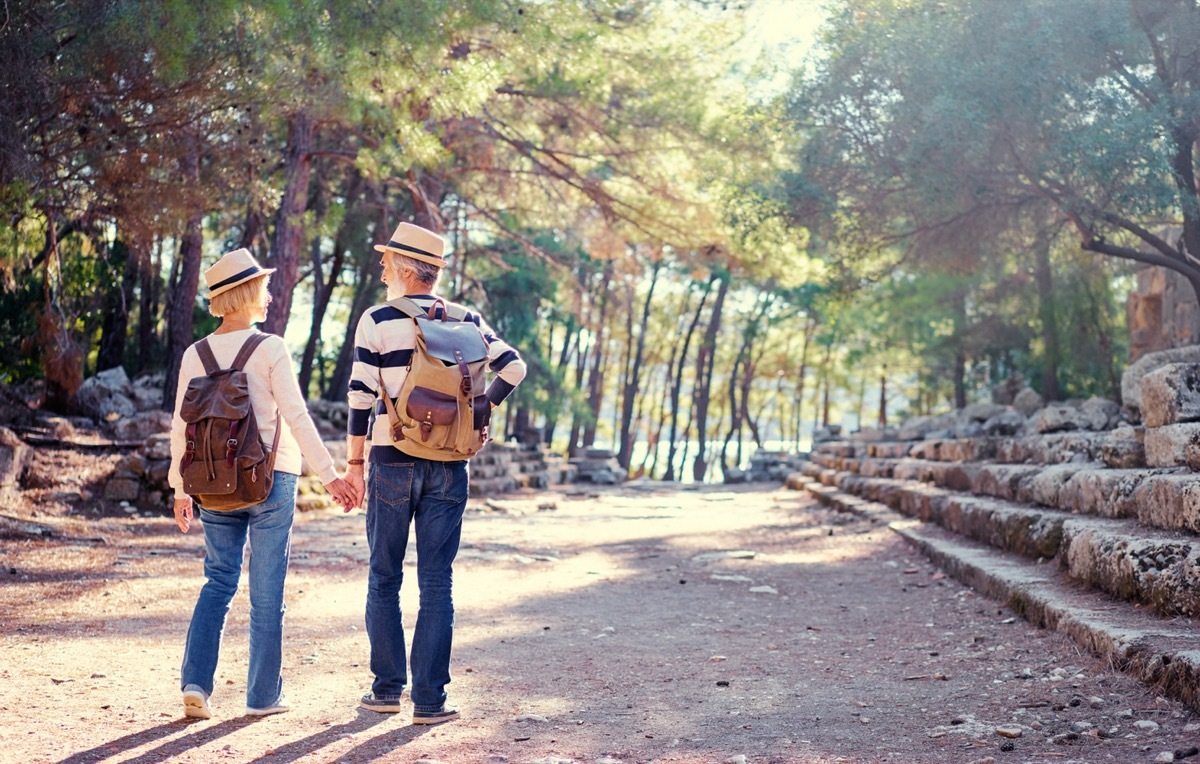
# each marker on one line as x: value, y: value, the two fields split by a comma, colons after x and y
x: 634, y: 626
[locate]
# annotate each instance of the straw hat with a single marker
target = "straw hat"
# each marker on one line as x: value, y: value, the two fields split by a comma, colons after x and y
x: 236, y: 267
x: 418, y: 243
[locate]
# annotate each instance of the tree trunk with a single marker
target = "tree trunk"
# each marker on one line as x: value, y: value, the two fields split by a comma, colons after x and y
x: 810, y: 328
x: 596, y: 374
x: 1045, y: 289
x: 960, y: 353
x: 569, y: 348
x: 115, y: 331
x: 151, y: 283
x: 633, y: 375
x: 883, y: 398
x: 62, y: 361
x: 289, y: 222
x: 704, y: 370
x: 323, y: 287
x: 367, y: 284
x: 677, y: 383
x: 181, y: 304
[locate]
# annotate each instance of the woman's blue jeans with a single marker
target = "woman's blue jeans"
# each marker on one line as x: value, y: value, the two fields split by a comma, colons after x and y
x: 431, y: 496
x: 268, y: 526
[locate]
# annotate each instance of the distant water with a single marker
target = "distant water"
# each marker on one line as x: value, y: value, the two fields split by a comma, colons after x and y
x: 716, y: 474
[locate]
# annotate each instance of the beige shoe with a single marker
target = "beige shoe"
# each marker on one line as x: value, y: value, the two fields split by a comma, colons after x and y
x: 195, y: 703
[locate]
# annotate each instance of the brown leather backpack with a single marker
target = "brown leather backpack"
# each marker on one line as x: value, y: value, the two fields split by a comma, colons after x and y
x: 225, y: 465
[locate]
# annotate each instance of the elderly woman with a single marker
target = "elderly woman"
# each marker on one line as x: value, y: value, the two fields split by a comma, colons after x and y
x: 237, y: 290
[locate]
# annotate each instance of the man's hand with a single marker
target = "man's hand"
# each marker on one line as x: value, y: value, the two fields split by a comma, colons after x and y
x: 354, y: 479
x: 342, y: 493
x: 183, y: 513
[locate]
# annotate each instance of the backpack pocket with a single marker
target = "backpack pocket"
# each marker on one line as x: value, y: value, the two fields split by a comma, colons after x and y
x: 430, y: 408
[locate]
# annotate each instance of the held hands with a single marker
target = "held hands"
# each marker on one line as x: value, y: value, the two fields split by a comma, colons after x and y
x: 183, y: 513
x: 354, y: 479
x: 343, y: 493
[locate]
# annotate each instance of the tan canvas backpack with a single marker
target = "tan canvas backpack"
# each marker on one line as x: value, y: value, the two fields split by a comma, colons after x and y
x: 226, y: 465
x: 441, y: 412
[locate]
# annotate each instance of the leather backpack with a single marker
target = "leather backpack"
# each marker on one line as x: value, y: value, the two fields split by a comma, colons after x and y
x: 441, y: 412
x: 225, y: 466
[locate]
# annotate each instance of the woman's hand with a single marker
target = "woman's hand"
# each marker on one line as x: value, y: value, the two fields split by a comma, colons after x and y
x: 342, y: 493
x: 183, y: 513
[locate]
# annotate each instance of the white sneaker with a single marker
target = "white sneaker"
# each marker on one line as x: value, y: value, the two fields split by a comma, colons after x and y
x: 278, y: 707
x: 195, y: 703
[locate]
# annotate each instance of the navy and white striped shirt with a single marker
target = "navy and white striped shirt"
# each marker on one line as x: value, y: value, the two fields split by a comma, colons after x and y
x: 383, y: 346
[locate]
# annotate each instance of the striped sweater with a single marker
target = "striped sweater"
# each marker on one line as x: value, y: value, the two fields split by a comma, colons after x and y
x: 383, y: 345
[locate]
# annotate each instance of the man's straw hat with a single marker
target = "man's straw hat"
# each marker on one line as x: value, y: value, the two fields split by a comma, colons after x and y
x: 418, y: 243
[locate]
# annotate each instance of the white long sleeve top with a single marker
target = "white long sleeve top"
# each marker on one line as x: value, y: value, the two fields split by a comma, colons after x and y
x: 273, y: 387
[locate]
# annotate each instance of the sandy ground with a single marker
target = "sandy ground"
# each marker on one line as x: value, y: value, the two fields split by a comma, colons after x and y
x: 638, y: 624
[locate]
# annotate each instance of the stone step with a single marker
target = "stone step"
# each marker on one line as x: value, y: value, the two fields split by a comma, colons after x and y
x: 1157, y: 568
x: 1167, y: 498
x: 1162, y: 652
x: 1049, y: 448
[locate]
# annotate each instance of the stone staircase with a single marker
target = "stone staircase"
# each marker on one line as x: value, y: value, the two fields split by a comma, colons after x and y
x: 1067, y: 528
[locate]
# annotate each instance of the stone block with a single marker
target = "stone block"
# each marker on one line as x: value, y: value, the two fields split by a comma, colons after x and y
x: 1157, y: 569
x: 1170, y: 501
x: 1173, y: 445
x: 1171, y: 394
x: 1045, y: 486
x: 1021, y: 530
x: 14, y: 457
x: 1027, y: 401
x: 1007, y: 422
x: 1124, y: 448
x: 1131, y: 380
x: 1103, y: 492
x: 122, y: 489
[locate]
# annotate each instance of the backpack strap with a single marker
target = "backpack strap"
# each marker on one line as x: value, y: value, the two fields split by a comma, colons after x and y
x: 407, y: 306
x: 248, y: 347
x: 206, y: 357
x: 437, y: 311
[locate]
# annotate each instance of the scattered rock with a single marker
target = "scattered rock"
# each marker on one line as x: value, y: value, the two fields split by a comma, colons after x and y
x: 763, y: 590
x: 531, y: 718
x: 1145, y: 725
x: 1009, y: 732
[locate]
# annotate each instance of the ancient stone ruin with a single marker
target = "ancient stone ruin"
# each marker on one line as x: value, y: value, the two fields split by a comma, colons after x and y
x: 1083, y: 517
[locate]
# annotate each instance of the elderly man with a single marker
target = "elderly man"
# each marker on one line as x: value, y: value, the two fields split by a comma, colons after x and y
x: 404, y: 490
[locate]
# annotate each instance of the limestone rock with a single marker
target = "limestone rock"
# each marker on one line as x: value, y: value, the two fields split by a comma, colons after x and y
x: 1008, y: 422
x: 1100, y: 413
x: 1173, y: 445
x: 1124, y: 448
x: 14, y: 457
x: 1057, y: 417
x: 1171, y: 394
x: 1027, y: 401
x: 1131, y: 380
x: 981, y: 412
x: 142, y: 426
x: 105, y: 397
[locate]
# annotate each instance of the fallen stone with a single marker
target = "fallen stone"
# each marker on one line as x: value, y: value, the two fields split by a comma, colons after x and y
x: 1009, y: 732
x: 1145, y: 725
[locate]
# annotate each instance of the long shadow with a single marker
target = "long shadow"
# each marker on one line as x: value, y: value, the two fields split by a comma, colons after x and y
x: 163, y: 752
x: 369, y: 750
x: 298, y: 749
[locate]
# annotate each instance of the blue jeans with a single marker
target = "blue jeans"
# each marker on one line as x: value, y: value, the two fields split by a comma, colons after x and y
x: 269, y: 528
x: 431, y: 496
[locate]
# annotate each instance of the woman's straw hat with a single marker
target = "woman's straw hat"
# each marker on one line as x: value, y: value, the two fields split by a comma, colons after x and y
x: 234, y: 268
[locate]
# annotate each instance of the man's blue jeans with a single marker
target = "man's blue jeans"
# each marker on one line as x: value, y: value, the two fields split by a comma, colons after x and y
x: 268, y: 525
x: 431, y: 496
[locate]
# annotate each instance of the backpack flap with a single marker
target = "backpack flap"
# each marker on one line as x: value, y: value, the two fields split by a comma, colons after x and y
x: 443, y: 338
x: 224, y: 395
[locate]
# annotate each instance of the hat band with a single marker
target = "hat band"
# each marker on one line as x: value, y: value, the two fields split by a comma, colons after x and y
x: 393, y: 244
x: 236, y: 278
